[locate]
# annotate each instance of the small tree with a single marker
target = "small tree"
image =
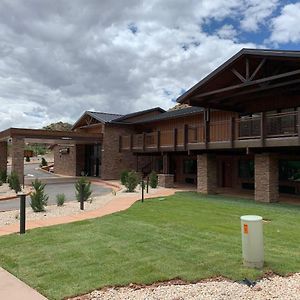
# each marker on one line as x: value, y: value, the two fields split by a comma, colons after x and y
x: 85, y: 192
x: 27, y: 159
x: 60, y: 199
x: 3, y: 175
x: 14, y: 182
x: 132, y: 181
x: 153, y: 180
x: 38, y: 197
x: 124, y: 176
x: 44, y: 163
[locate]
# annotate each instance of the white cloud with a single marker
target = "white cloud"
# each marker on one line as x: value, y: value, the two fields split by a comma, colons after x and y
x: 256, y: 12
x: 59, y: 58
x: 285, y: 27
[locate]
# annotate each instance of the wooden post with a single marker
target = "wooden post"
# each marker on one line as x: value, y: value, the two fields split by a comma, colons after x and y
x: 206, y: 126
x: 232, y: 133
x: 262, y: 128
x: 131, y: 142
x: 120, y: 143
x: 158, y: 140
x: 298, y: 122
x: 186, y: 136
x: 175, y: 138
x: 144, y: 141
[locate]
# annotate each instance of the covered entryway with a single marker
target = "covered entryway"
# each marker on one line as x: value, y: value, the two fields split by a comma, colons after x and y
x: 69, y: 153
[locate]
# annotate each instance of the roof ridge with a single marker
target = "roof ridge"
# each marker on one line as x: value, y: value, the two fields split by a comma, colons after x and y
x: 106, y: 113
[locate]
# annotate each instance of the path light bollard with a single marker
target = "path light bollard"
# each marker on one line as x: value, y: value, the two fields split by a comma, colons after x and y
x: 22, y: 196
x: 252, y: 241
x: 147, y: 184
x: 143, y: 186
x: 82, y: 187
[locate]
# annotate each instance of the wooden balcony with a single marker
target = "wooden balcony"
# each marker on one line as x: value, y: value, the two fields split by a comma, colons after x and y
x: 272, y: 130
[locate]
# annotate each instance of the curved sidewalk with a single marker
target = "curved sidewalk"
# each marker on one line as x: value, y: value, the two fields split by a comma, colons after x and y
x: 122, y: 201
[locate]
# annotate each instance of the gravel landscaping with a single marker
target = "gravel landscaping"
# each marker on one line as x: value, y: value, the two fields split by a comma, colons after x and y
x: 7, y: 192
x: 274, y: 287
x: 69, y: 208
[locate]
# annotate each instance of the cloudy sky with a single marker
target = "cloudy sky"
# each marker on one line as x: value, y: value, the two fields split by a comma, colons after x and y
x: 60, y: 58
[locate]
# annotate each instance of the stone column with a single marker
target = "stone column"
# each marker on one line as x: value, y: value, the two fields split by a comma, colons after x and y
x: 17, y: 156
x: 266, y: 177
x: 3, y: 156
x: 206, y: 174
x: 166, y: 164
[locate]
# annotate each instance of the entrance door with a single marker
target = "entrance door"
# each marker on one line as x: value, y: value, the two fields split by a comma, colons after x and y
x: 92, y: 160
x: 227, y: 170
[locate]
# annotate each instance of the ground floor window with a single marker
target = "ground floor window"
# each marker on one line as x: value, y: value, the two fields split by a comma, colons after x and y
x: 190, y: 166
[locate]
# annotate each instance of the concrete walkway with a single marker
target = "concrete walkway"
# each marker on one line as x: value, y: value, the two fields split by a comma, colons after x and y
x: 11, y: 288
x: 122, y: 201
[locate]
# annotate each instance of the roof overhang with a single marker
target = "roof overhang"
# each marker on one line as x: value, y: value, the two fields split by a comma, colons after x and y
x: 251, y: 80
x: 50, y: 137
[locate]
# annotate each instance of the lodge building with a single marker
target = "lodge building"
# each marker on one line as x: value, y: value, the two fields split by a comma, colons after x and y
x: 239, y: 128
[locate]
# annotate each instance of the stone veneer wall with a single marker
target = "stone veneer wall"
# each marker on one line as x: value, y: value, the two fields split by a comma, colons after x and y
x: 266, y: 178
x: 65, y: 164
x: 166, y: 180
x: 206, y: 173
x: 17, y: 155
x: 3, y: 156
x: 113, y: 161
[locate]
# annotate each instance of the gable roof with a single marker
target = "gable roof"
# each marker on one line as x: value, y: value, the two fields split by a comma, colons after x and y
x: 99, y: 116
x: 244, y: 52
x: 178, y: 113
x: 138, y: 113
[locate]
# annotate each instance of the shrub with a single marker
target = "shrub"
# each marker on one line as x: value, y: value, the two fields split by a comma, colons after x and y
x: 86, y: 192
x: 124, y: 176
x: 132, y: 181
x: 3, y: 175
x: 60, y: 199
x: 153, y: 180
x: 44, y: 163
x: 14, y: 182
x: 27, y: 159
x: 38, y: 197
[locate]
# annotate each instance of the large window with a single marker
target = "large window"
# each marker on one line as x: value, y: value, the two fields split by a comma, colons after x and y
x: 289, y: 170
x: 246, y: 168
x: 190, y: 166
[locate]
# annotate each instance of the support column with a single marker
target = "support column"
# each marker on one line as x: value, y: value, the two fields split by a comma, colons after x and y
x: 17, y: 156
x: 3, y: 156
x: 206, y: 174
x: 166, y: 164
x: 266, y: 177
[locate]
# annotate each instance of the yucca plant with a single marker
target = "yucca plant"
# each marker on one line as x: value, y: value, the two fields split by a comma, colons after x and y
x: 86, y: 191
x: 38, y: 197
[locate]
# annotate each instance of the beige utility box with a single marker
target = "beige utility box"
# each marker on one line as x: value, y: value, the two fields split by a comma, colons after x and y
x: 252, y: 241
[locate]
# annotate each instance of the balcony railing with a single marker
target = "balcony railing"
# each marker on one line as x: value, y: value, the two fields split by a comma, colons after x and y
x: 261, y: 127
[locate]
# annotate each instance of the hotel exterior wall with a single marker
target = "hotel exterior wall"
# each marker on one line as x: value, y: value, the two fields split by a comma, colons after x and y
x: 114, y: 161
x: 65, y: 164
x: 3, y: 156
x: 207, y: 173
x: 17, y: 155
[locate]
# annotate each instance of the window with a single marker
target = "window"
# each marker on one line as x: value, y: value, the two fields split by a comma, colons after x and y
x: 246, y: 168
x: 190, y: 166
x: 289, y: 170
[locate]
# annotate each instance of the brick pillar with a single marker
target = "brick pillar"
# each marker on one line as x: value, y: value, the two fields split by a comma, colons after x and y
x: 166, y: 164
x: 266, y: 178
x: 3, y: 156
x: 206, y: 174
x: 17, y: 156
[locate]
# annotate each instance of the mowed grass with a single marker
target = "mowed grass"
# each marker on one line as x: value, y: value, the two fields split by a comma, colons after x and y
x: 185, y: 236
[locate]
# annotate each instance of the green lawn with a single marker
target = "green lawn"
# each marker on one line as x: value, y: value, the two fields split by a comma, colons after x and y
x: 185, y: 235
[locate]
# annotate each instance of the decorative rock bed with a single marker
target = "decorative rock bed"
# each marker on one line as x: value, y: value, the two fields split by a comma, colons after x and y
x: 274, y: 287
x: 7, y: 193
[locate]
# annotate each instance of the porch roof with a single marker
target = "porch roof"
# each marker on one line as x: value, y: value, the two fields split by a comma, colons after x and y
x: 252, y: 80
x: 50, y: 136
